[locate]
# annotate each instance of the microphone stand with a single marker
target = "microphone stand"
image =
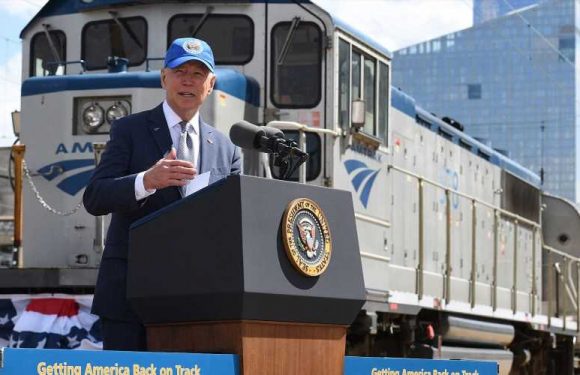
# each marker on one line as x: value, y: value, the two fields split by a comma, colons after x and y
x: 287, y: 156
x: 289, y: 159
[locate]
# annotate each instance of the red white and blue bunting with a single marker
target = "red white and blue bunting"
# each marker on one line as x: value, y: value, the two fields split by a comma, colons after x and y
x: 49, y: 321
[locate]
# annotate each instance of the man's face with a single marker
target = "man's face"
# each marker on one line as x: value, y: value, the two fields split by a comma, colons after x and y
x: 187, y: 86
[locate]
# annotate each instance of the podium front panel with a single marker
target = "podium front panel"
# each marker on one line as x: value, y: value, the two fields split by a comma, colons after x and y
x: 219, y: 255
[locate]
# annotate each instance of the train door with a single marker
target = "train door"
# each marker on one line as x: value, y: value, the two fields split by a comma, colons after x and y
x: 361, y: 105
x: 295, y: 80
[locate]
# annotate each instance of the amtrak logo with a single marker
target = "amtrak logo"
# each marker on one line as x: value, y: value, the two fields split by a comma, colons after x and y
x: 72, y: 175
x: 193, y: 46
x: 450, y: 178
x: 362, y: 178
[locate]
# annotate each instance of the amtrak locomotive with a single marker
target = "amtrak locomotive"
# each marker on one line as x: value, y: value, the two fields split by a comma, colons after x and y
x: 464, y: 255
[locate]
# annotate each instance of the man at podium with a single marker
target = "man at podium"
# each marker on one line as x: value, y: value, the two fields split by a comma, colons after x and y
x: 149, y: 159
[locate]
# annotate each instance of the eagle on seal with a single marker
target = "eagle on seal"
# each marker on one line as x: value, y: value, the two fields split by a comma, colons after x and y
x: 307, y: 231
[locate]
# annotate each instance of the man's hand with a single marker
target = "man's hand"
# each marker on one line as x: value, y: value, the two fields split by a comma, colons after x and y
x: 168, y: 172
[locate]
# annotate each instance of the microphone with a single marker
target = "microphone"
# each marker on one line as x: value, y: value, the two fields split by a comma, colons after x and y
x: 262, y: 138
x: 244, y: 135
x: 288, y: 157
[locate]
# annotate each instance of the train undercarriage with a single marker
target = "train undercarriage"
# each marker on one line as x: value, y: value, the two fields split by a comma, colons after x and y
x: 518, y: 348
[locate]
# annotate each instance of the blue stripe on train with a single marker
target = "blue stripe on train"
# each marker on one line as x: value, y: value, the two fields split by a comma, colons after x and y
x: 228, y: 80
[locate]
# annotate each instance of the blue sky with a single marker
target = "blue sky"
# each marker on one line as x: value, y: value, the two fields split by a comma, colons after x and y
x: 395, y: 23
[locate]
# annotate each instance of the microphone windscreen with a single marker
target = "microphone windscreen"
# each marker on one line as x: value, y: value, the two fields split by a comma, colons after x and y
x: 246, y: 135
x: 272, y: 132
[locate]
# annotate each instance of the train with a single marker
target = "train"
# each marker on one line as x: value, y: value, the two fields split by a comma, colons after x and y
x: 463, y: 253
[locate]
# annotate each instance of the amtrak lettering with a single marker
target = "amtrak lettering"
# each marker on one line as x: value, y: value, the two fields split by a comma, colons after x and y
x: 362, y: 149
x: 75, y: 148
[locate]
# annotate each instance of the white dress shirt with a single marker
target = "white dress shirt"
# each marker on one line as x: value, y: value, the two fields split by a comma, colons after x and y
x: 173, y: 121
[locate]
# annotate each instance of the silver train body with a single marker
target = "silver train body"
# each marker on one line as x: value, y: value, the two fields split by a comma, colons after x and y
x: 463, y: 255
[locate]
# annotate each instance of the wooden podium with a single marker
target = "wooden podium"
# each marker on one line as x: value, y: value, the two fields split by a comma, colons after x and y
x: 211, y: 274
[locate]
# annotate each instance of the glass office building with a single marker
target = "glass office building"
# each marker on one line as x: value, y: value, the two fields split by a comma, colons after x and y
x: 511, y: 80
x: 485, y: 10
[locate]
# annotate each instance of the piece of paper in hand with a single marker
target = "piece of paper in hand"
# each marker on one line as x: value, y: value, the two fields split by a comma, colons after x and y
x: 198, y: 183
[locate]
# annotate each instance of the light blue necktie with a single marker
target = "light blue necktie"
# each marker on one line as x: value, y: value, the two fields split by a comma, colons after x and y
x: 185, y: 149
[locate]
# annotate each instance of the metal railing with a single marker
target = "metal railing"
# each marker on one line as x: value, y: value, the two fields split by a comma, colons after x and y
x: 82, y: 63
x: 302, y: 130
x: 563, y: 296
x: 563, y: 283
x: 516, y: 220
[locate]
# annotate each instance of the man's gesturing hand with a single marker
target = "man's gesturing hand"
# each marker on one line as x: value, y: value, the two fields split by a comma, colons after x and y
x: 168, y: 172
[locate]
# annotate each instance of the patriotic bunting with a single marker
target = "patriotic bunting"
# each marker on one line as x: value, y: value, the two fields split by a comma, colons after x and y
x: 48, y: 321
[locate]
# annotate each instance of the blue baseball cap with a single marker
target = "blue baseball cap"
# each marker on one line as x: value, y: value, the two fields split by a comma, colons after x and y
x: 183, y: 50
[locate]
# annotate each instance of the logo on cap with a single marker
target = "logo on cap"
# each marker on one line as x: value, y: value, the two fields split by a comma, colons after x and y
x: 193, y: 46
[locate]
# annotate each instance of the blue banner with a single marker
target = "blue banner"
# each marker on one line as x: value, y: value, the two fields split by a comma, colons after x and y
x: 84, y: 362
x: 410, y: 366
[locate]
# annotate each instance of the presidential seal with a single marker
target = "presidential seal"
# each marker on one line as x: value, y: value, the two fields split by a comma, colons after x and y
x: 306, y: 237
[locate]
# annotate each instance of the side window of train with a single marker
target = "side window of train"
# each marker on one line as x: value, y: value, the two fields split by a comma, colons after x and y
x: 363, y: 77
x: 120, y: 37
x: 343, y: 84
x: 296, y: 59
x: 230, y: 36
x: 48, y: 53
x: 369, y: 74
x: 384, y: 102
x: 313, y: 164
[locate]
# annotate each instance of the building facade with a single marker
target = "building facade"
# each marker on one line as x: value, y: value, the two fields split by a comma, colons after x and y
x: 485, y: 10
x: 510, y: 80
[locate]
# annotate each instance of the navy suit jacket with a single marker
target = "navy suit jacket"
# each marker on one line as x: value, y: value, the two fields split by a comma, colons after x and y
x: 136, y: 143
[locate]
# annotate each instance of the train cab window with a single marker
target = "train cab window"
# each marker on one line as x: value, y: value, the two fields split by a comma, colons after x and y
x: 356, y: 87
x: 120, y: 37
x: 231, y: 37
x: 343, y: 84
x: 313, y: 164
x: 364, y: 87
x: 47, y: 53
x: 384, y: 91
x: 369, y: 82
x: 369, y: 95
x: 296, y: 60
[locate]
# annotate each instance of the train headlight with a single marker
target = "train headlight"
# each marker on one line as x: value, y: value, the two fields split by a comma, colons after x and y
x: 93, y: 117
x: 116, y: 111
x: 90, y: 116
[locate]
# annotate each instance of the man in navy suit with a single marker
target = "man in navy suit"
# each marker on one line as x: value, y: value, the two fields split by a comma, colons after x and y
x: 139, y: 173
